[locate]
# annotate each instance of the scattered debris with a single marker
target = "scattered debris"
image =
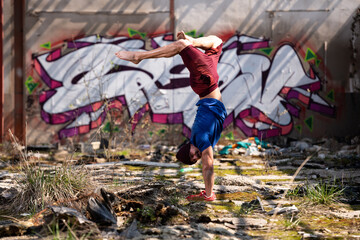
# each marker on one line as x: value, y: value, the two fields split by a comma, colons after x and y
x: 281, y: 210
x: 147, y: 196
x: 243, y: 222
x: 252, y: 145
x: 101, y: 210
x: 9, y: 228
x: 347, y: 214
x: 134, y: 163
x: 131, y: 232
x: 61, y: 212
x: 7, y: 194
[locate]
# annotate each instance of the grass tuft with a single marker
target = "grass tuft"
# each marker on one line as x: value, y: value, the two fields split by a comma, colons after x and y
x: 324, y: 193
x: 39, y: 188
x: 321, y: 193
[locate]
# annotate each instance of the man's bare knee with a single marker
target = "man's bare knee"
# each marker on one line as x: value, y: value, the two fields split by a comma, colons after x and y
x: 181, y: 44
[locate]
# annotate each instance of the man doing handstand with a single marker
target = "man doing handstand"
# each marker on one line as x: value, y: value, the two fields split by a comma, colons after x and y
x: 211, y: 113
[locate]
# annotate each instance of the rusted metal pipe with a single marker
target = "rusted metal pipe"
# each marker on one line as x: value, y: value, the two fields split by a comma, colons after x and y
x: 172, y: 16
x: 2, y: 74
x: 19, y: 121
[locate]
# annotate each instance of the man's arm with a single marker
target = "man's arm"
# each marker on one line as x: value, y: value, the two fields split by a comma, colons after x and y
x: 205, y: 43
x: 207, y: 159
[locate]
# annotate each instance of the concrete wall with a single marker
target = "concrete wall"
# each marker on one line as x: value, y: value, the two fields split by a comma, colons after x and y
x: 284, y: 69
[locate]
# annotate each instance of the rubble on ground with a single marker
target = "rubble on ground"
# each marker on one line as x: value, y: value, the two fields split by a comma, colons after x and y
x: 323, y: 148
x: 142, y: 194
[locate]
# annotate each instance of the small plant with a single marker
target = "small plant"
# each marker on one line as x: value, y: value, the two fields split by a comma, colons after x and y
x: 174, y: 200
x: 245, y: 209
x: 54, y: 229
x: 116, y: 182
x: 298, y: 191
x: 324, y: 193
x: 291, y: 223
x: 147, y: 214
x: 58, y: 233
x: 218, y: 181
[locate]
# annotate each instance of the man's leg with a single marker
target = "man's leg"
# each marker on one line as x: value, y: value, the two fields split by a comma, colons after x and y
x: 165, y: 51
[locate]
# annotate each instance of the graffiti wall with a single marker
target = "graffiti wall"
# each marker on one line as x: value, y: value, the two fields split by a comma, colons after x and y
x: 263, y: 86
x: 288, y: 67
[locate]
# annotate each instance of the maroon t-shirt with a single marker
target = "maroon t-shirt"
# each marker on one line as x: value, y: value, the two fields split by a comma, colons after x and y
x: 203, y: 68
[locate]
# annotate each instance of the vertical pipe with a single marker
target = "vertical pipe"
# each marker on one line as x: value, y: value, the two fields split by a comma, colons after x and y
x: 1, y: 74
x: 325, y: 63
x: 19, y: 121
x: 172, y: 16
x: 172, y: 30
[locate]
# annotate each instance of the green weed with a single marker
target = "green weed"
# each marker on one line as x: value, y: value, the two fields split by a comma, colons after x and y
x: 324, y: 193
x: 60, y: 234
x: 298, y: 191
x: 174, y: 199
x: 291, y: 223
x: 147, y: 214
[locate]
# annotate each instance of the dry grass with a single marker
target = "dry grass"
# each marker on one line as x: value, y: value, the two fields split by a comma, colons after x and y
x: 39, y: 187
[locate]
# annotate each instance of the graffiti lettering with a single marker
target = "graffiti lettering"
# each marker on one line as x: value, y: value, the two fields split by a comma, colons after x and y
x: 85, y: 80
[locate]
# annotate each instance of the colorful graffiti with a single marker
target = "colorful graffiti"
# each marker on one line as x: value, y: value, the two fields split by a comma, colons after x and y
x: 261, y: 94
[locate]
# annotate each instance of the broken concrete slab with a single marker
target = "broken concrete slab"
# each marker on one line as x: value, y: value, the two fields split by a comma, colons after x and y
x: 243, y: 222
x: 131, y: 232
x: 4, y: 165
x: 274, y: 177
x: 276, y: 202
x: 134, y: 163
x: 222, y: 188
x: 42, y: 148
x: 7, y: 194
x: 281, y: 210
x: 280, y: 161
x: 238, y: 180
x: 3, y: 174
x: 308, y: 164
x: 216, y: 229
x: 336, y: 174
x: 346, y: 214
x: 224, y: 160
x: 8, y: 175
x: 65, y: 211
x: 9, y: 228
x: 242, y: 167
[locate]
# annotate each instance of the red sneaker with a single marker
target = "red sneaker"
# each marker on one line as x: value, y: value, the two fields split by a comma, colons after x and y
x: 201, y: 197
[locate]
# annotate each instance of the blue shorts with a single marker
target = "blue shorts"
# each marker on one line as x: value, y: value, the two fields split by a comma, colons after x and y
x: 208, y: 124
